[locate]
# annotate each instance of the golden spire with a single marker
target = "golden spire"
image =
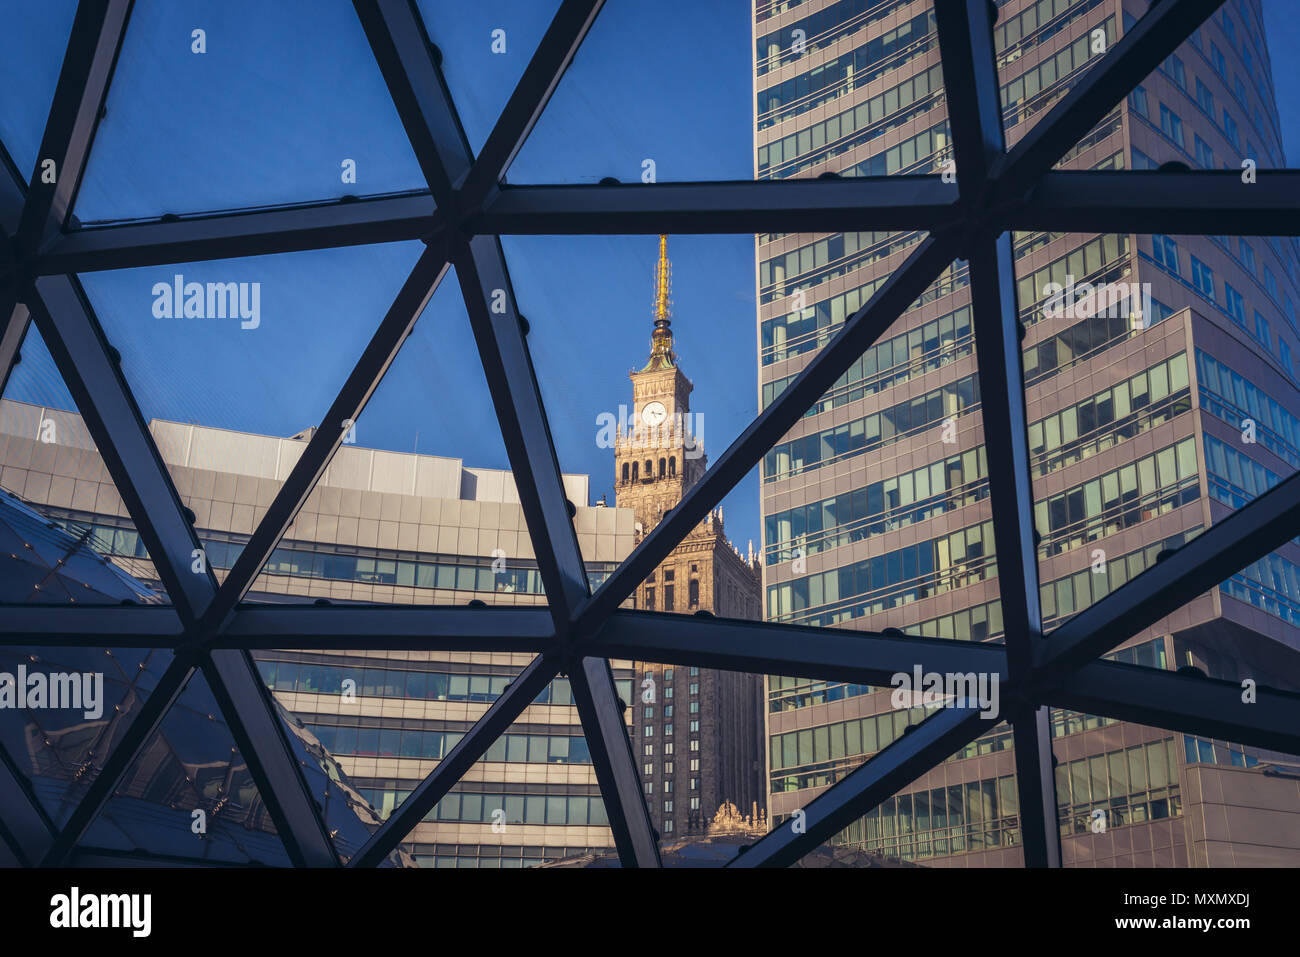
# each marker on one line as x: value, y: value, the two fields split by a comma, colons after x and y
x: 661, y: 339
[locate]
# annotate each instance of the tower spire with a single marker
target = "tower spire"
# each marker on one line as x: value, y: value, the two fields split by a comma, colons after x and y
x: 661, y: 339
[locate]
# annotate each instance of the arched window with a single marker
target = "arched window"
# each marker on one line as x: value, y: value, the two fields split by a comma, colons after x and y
x: 662, y: 467
x: 625, y: 470
x: 633, y: 471
x: 672, y: 466
x: 649, y: 469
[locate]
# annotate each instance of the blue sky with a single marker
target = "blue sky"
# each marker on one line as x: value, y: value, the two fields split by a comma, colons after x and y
x: 270, y: 111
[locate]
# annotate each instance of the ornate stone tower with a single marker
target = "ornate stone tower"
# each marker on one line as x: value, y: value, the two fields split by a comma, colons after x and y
x: 660, y: 451
x: 698, y: 733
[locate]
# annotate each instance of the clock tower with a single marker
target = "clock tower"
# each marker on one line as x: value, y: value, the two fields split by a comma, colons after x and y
x: 659, y: 453
x: 699, y: 733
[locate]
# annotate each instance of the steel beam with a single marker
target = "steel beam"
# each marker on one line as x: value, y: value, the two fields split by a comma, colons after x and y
x: 889, y: 302
x: 80, y: 626
x: 552, y: 57
x: 94, y: 377
x: 924, y: 747
x: 828, y: 654
x: 1193, y: 705
x: 361, y: 384
x: 512, y: 381
x: 712, y: 208
x: 121, y: 758
x: 1146, y: 201
x: 1134, y: 56
x: 605, y: 727
x: 1011, y: 498
x: 93, y: 45
x: 1223, y: 549
x: 970, y: 84
x: 388, y: 627
x: 1040, y: 829
x: 259, y: 734
x: 405, y: 56
x: 518, y: 695
x: 265, y: 232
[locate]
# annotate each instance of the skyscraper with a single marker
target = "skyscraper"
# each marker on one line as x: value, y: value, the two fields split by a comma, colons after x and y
x: 697, y: 732
x: 1161, y: 387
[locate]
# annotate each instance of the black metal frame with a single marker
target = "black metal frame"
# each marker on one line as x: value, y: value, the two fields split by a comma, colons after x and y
x: 465, y: 209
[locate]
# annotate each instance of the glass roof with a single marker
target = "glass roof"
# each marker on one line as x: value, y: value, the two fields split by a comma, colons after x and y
x: 331, y: 332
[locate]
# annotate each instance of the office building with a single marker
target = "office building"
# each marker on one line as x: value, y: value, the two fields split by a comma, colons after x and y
x: 697, y: 733
x: 1155, y: 410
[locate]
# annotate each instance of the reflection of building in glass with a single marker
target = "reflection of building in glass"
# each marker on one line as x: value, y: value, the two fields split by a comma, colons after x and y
x: 1146, y: 426
x: 189, y: 795
x: 380, y: 527
x: 697, y: 733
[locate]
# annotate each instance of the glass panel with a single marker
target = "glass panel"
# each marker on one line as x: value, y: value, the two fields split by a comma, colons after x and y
x: 183, y: 109
x: 32, y: 46
x: 65, y: 535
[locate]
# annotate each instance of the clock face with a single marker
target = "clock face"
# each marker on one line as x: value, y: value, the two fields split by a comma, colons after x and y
x: 653, y: 413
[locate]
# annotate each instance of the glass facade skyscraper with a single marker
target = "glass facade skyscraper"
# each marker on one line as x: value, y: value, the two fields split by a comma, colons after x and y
x: 1157, y: 404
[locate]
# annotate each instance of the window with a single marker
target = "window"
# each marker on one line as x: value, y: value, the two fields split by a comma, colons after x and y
x: 1270, y: 283
x: 668, y: 748
x: 1165, y: 251
x: 668, y: 809
x: 649, y: 731
x: 668, y: 787
x: 1236, y: 305
x: 1230, y: 130
x: 1142, y: 161
x: 1284, y: 353
x: 649, y: 750
x: 695, y: 764
x: 668, y: 730
x: 1217, y: 61
x: 649, y: 788
x: 1137, y: 101
x: 668, y: 674
x: 695, y: 707
x: 695, y: 687
x: 1263, y: 332
x: 668, y: 597
x: 1204, y: 98
x: 695, y: 784
x: 1204, y: 155
x: 648, y: 770
x: 1174, y: 67
x: 695, y: 745
x: 1171, y: 125
x: 1202, y: 278
x: 649, y: 711
x: 668, y: 711
x: 693, y: 593
x: 1247, y: 255
x: 670, y: 574
x: 668, y: 767
x: 695, y: 726
x: 668, y: 826
x: 650, y: 598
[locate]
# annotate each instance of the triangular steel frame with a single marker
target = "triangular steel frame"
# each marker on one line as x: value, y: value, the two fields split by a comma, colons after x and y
x: 460, y: 217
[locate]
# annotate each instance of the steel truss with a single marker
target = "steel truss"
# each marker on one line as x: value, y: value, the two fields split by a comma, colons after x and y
x: 460, y: 217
